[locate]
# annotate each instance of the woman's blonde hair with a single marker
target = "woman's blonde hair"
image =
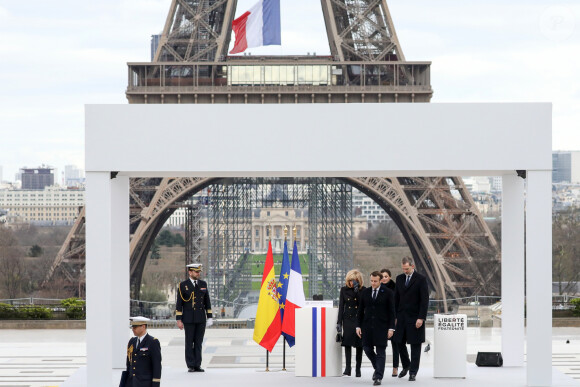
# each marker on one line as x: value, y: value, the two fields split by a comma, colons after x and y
x: 354, y: 275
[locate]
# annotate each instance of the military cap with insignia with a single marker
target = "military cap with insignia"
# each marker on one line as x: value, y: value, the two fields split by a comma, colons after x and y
x: 139, y: 320
x: 195, y: 266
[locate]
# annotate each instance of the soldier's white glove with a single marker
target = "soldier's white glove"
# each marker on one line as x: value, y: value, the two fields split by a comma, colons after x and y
x: 209, y: 322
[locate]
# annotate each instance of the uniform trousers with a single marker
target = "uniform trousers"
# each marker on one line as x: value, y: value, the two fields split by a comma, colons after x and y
x: 193, y: 341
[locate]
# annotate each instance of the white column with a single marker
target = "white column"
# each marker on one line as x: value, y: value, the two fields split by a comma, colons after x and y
x: 539, y: 278
x: 512, y: 271
x: 107, y: 262
x: 99, y: 334
x: 120, y: 271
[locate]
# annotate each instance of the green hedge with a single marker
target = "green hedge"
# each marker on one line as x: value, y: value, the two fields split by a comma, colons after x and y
x: 576, y: 303
x: 26, y: 312
x: 74, y: 308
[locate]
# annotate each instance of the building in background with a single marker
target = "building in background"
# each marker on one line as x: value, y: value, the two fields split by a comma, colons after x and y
x: 365, y: 207
x: 47, y: 207
x: 1, y: 175
x: 481, y: 184
x: 154, y: 45
x: 73, y: 176
x: 496, y: 183
x: 37, y: 178
x: 566, y: 167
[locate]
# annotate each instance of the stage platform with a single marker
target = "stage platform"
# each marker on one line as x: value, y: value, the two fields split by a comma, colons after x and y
x: 476, y: 377
x: 36, y: 358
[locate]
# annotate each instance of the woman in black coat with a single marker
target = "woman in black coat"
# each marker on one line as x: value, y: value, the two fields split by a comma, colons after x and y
x: 386, y: 280
x: 347, y: 319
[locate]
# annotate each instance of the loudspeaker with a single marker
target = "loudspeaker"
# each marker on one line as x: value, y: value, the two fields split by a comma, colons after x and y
x: 489, y: 359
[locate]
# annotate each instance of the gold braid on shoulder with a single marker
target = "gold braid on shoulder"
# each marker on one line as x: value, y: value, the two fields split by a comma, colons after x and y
x: 181, y: 295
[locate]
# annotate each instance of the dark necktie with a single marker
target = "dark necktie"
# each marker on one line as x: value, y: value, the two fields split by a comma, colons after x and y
x: 407, y: 281
x: 374, y: 294
x: 195, y: 283
x: 138, y: 344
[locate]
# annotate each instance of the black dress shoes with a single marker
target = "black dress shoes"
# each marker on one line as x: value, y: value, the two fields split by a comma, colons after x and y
x: 198, y: 369
x: 190, y: 369
x: 346, y: 372
x: 377, y: 382
x: 358, y: 374
x: 411, y: 378
x: 403, y: 373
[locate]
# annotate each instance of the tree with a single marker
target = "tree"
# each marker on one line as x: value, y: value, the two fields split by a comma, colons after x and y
x: 35, y: 251
x: 566, y: 249
x: 13, y: 274
x: 178, y: 239
x: 165, y: 238
x: 384, y: 234
x: 155, y: 251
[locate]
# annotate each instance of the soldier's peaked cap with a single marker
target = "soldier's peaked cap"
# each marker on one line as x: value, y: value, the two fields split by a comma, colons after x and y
x: 139, y: 320
x: 195, y: 266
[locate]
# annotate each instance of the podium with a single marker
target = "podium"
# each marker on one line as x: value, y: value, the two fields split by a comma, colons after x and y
x: 317, y: 354
x: 450, y: 346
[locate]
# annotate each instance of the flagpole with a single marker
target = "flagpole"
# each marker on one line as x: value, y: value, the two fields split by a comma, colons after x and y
x: 284, y: 343
x: 269, y: 228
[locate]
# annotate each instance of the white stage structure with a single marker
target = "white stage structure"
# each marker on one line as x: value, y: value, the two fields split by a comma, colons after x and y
x: 496, y: 139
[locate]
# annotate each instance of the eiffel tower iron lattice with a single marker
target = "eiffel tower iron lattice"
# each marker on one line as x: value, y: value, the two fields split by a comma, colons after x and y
x: 445, y: 232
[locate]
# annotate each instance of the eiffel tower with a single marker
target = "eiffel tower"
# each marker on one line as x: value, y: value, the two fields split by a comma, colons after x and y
x: 445, y: 232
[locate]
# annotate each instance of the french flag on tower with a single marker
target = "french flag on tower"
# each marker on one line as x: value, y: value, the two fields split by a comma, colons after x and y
x: 260, y: 26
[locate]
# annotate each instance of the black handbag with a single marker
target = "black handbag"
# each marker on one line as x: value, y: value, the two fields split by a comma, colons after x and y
x: 123, y: 381
x: 489, y: 359
x: 339, y: 338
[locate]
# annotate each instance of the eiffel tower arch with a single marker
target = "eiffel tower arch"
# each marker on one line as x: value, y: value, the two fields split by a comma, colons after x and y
x: 446, y: 233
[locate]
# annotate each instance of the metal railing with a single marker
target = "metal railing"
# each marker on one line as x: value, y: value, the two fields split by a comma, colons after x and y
x: 306, y: 75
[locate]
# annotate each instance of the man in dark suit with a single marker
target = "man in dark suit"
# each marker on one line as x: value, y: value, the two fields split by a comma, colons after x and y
x: 143, y: 357
x: 411, y: 302
x: 376, y: 323
x: 193, y: 313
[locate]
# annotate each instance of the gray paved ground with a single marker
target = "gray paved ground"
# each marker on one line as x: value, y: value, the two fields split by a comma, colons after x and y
x: 57, y: 358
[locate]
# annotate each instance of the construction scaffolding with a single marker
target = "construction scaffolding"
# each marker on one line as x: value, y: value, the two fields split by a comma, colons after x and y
x: 193, y: 234
x: 233, y: 202
x: 330, y: 235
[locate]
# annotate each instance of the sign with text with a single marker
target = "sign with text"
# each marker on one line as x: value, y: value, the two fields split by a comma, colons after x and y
x: 450, y: 346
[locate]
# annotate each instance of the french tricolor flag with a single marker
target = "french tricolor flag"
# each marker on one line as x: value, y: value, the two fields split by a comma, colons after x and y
x: 294, y: 298
x: 260, y: 26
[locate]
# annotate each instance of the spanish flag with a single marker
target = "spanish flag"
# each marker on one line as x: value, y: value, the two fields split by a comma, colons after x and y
x: 268, y: 324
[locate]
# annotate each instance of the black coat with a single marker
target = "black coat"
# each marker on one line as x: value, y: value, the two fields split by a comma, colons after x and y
x: 411, y: 303
x: 143, y: 364
x: 376, y: 317
x: 193, y: 304
x: 347, y: 316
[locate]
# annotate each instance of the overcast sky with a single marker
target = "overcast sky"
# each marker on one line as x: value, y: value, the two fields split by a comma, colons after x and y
x: 58, y: 55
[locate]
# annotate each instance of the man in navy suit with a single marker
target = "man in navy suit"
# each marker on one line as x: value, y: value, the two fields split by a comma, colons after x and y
x: 143, y: 357
x: 376, y: 323
x: 411, y: 303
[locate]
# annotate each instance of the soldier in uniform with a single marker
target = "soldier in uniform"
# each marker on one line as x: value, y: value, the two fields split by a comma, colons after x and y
x: 193, y: 313
x: 143, y: 357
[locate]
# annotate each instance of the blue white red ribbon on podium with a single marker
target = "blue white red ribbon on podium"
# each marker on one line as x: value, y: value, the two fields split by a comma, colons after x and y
x: 319, y: 342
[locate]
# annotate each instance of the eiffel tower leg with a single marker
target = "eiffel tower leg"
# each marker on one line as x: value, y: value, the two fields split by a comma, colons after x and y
x: 107, y: 274
x: 539, y: 277
x: 512, y: 266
